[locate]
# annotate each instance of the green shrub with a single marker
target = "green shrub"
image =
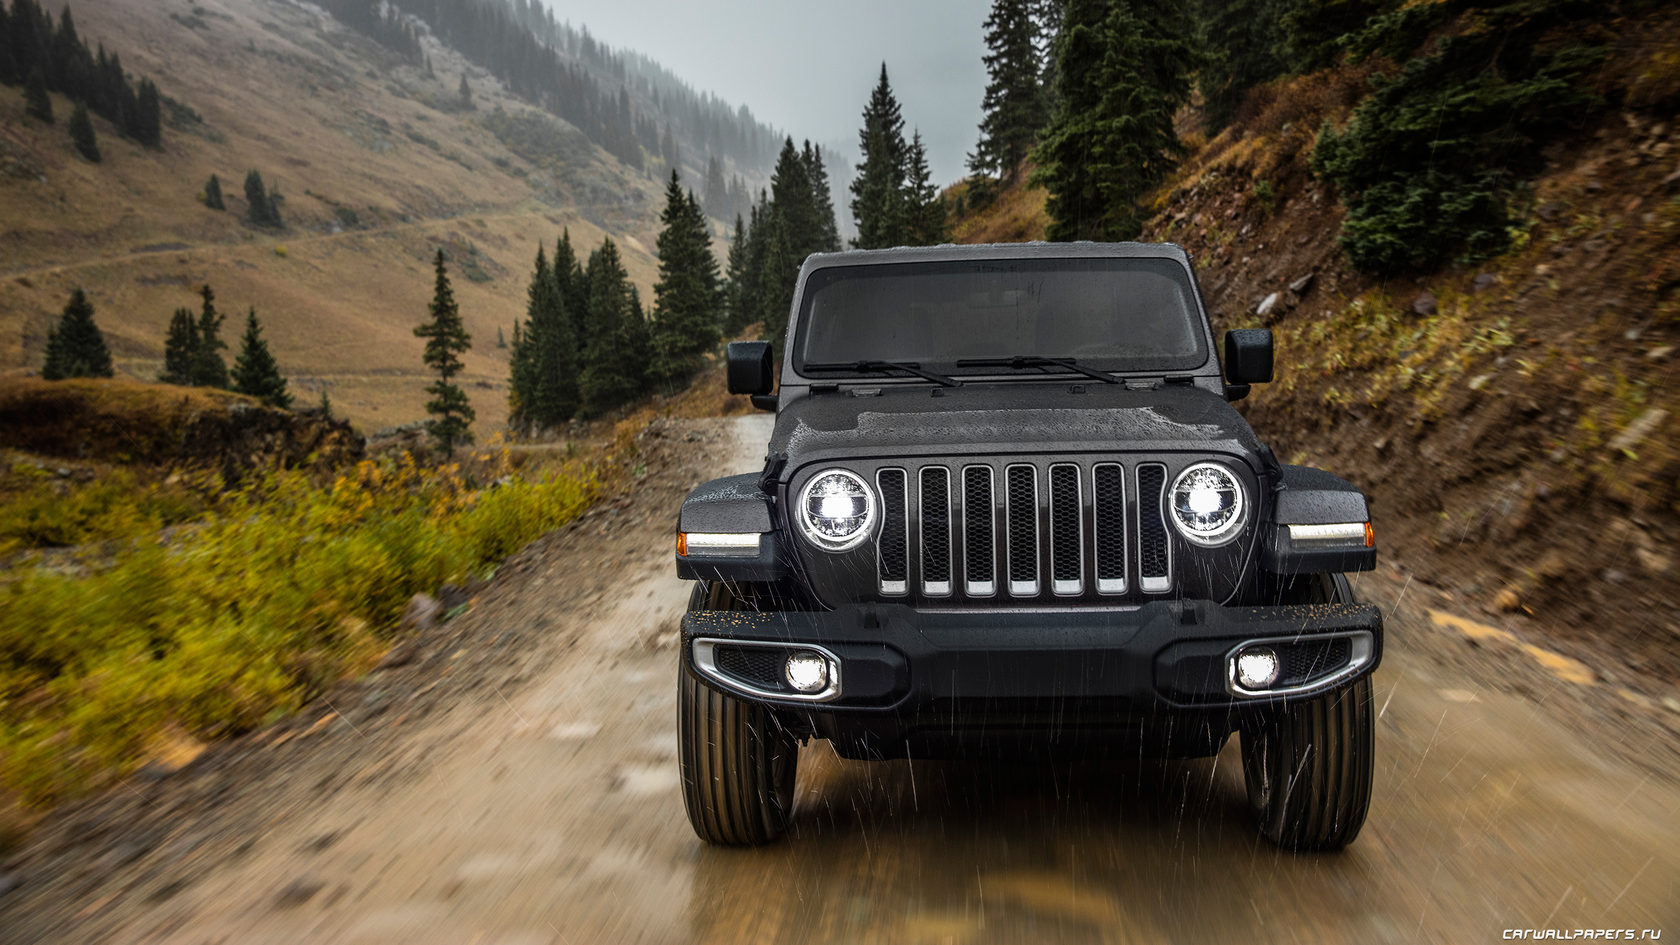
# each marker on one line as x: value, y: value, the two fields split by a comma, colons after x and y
x: 1431, y: 162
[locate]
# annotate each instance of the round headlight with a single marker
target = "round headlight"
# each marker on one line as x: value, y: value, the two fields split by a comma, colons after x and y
x: 1207, y: 504
x: 836, y: 509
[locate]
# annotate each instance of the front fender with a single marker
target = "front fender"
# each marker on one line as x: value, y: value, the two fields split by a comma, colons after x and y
x: 733, y: 505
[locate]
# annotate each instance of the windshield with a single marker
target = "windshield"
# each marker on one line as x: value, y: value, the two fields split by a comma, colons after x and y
x: 1108, y: 314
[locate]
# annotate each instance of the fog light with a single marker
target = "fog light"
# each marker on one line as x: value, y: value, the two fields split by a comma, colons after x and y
x: 1257, y: 668
x: 806, y: 671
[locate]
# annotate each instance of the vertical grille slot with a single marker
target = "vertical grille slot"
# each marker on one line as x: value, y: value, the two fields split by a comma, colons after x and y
x: 1154, y: 544
x: 893, y: 553
x: 1108, y: 503
x: 1021, y: 513
x: 936, y: 531
x: 979, y: 537
x: 1067, y: 530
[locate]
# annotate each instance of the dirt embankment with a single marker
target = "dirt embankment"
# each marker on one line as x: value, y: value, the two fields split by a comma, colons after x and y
x: 134, y: 423
x: 1515, y: 420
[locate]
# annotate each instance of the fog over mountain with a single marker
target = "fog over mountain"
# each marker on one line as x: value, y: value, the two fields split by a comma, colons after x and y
x: 808, y: 68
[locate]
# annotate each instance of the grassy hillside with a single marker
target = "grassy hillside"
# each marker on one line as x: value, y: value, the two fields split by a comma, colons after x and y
x: 378, y: 166
x: 1514, y: 420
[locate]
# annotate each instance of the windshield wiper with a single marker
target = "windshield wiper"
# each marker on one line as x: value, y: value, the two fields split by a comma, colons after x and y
x: 1034, y: 360
x: 881, y: 367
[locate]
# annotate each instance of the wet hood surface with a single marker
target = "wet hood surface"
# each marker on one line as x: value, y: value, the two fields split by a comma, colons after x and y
x: 1047, y: 417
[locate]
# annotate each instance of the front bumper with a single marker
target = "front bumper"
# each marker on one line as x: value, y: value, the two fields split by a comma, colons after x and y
x: 905, y: 672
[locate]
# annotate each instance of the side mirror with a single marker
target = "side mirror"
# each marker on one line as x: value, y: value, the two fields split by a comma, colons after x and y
x: 1248, y: 356
x: 748, y: 364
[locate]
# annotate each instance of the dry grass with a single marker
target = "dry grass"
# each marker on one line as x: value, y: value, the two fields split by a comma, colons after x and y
x: 340, y: 126
x: 1015, y: 215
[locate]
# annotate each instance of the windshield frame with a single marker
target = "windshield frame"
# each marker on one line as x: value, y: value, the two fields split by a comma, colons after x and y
x: 1203, y: 362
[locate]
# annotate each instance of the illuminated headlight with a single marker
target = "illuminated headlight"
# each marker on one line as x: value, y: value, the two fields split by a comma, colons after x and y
x: 806, y: 671
x: 836, y: 509
x: 1207, y: 504
x: 1256, y: 668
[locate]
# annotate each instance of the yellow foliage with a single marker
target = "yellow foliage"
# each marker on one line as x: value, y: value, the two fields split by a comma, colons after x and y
x: 281, y: 589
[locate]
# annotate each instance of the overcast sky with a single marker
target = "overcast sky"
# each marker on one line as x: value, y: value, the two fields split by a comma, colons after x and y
x: 807, y: 66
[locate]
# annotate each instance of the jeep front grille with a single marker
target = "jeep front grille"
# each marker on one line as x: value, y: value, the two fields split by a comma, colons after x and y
x: 894, y: 551
x: 1065, y: 528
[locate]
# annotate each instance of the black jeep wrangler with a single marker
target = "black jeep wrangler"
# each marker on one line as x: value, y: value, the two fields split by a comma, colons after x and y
x: 1007, y: 506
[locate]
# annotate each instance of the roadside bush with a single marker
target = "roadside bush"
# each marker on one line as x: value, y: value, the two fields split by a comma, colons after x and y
x: 285, y: 587
x: 1432, y: 160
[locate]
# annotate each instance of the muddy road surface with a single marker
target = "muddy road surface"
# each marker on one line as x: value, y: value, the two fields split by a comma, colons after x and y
x: 511, y: 778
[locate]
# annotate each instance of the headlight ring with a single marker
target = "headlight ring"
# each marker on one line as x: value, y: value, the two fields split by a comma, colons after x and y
x: 836, y: 510
x: 1207, y: 504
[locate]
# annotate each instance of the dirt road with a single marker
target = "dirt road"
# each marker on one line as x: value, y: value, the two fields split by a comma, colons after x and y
x: 511, y: 778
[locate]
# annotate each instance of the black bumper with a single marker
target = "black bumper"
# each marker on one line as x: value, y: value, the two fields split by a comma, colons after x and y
x: 1157, y: 672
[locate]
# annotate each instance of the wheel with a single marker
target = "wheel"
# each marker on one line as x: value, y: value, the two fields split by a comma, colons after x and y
x: 737, y: 762
x: 1308, y: 766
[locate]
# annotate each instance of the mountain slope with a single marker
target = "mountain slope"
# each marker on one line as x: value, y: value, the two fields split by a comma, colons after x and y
x: 378, y: 164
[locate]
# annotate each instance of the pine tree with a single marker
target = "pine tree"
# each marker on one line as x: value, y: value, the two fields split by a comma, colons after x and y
x: 878, y: 189
x: 446, y: 340
x: 464, y: 93
x: 213, y: 194
x: 208, y: 368
x: 326, y: 404
x: 75, y: 346
x: 574, y: 290
x: 826, y: 239
x: 715, y: 197
x: 734, y: 306
x: 1243, y: 46
x: 615, y: 362
x: 148, y: 115
x: 1123, y: 72
x: 1014, y: 106
x: 255, y: 371
x: 180, y: 349
x: 543, y: 389
x: 37, y: 103
x: 926, y: 208
x: 686, y: 297
x: 261, y: 207
x: 81, y: 133
x: 501, y: 341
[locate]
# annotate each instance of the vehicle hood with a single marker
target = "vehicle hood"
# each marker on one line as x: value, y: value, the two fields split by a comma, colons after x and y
x: 1005, y: 418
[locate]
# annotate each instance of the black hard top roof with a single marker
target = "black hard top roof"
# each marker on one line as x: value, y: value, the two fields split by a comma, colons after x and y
x: 948, y: 252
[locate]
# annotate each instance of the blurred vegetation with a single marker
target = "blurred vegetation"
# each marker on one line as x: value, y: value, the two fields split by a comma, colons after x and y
x: 282, y: 587
x: 1432, y: 161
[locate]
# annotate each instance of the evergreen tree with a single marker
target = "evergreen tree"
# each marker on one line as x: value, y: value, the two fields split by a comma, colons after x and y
x: 180, y: 349
x: 37, y: 103
x: 464, y: 93
x: 75, y: 346
x: 734, y: 306
x: 81, y: 133
x: 208, y: 368
x: 148, y: 115
x: 827, y: 237
x: 574, y: 290
x: 926, y: 208
x: 1314, y: 30
x: 1243, y: 46
x: 716, y: 192
x: 213, y: 194
x: 1123, y: 71
x: 1014, y: 106
x: 255, y: 371
x: 326, y: 404
x: 616, y: 360
x: 446, y: 340
x: 261, y: 207
x: 543, y: 389
x: 878, y: 189
x: 501, y: 341
x: 686, y: 297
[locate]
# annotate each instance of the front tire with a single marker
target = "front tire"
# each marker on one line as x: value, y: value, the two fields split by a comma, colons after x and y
x: 1308, y: 766
x: 737, y: 762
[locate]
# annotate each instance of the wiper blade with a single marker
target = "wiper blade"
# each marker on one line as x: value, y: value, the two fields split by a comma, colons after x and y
x: 1035, y: 360
x: 881, y: 367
